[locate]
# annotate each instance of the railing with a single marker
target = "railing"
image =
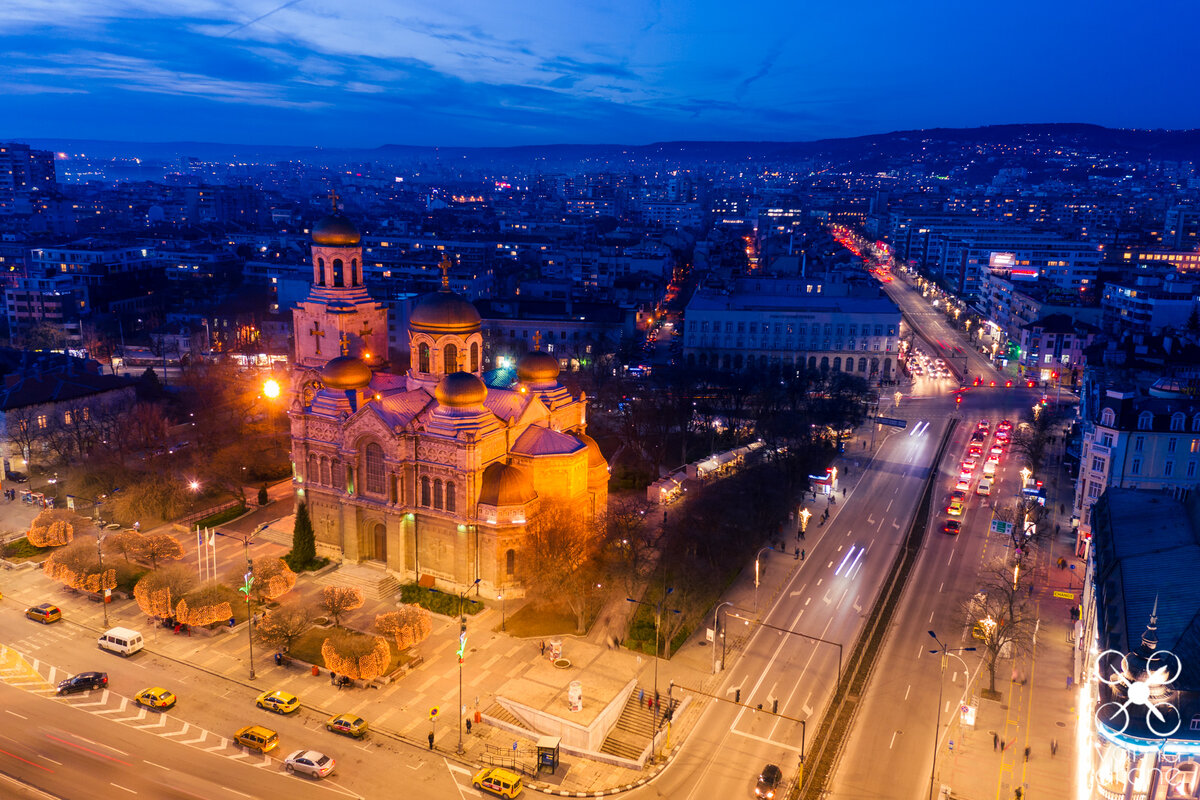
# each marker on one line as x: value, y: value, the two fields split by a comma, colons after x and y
x: 495, y: 756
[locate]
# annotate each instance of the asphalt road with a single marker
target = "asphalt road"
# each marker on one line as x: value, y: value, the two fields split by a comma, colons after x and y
x: 64, y: 745
x: 890, y: 750
x: 930, y: 324
x: 827, y: 598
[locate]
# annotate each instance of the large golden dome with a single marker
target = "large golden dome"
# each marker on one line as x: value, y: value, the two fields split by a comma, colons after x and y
x: 335, y: 231
x: 505, y: 485
x: 346, y: 372
x: 460, y: 390
x: 538, y: 367
x: 444, y: 312
x: 595, y: 457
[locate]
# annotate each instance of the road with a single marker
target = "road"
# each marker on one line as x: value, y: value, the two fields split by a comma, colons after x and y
x: 827, y: 598
x: 52, y: 743
x: 890, y: 749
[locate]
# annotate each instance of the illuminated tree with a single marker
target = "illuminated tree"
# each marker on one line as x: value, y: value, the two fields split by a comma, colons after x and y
x: 408, y: 626
x: 337, y: 600
x: 78, y: 565
x: 272, y: 578
x: 205, y: 605
x: 160, y: 545
x: 282, y: 627
x: 356, y: 655
x: 158, y: 591
x: 124, y: 543
x: 56, y: 527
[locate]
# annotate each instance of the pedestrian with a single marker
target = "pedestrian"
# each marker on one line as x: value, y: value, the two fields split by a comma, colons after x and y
x: 431, y: 740
x: 843, y: 491
x: 1026, y: 752
x: 1018, y: 794
x: 1031, y: 589
x: 649, y: 703
x: 332, y: 678
x: 641, y: 696
x: 1002, y: 745
x: 1070, y: 681
x: 802, y: 536
x: 1053, y: 747
x: 1057, y: 528
x: 995, y: 741
x: 801, y: 555
x: 543, y: 647
x: 797, y: 554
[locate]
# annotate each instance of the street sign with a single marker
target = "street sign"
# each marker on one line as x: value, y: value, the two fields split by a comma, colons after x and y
x: 708, y: 635
x: 1001, y: 527
x: 895, y: 423
x: 1064, y: 595
x: 433, y: 712
x: 967, y: 714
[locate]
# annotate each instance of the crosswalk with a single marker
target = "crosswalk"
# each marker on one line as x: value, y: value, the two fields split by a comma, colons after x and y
x: 33, y: 675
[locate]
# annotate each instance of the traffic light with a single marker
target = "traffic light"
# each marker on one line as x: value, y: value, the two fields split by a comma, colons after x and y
x: 958, y: 399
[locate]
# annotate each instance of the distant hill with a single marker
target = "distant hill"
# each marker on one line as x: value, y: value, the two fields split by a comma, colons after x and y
x: 1138, y: 144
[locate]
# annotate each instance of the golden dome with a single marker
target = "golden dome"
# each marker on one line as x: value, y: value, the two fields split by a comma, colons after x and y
x: 346, y: 372
x: 595, y: 457
x: 460, y: 390
x: 538, y: 367
x: 444, y: 312
x: 335, y: 231
x: 505, y: 485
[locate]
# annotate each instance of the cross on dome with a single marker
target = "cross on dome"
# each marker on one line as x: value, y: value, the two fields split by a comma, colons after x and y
x: 444, y: 266
x: 333, y: 198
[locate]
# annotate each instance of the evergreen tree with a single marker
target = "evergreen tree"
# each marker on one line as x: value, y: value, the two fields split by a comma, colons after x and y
x: 262, y: 497
x: 304, y: 543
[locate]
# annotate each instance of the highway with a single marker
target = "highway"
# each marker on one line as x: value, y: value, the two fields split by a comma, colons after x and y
x: 827, y: 598
x: 890, y: 749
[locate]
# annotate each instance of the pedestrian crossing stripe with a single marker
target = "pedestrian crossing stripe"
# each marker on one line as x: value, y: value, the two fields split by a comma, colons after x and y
x: 14, y: 669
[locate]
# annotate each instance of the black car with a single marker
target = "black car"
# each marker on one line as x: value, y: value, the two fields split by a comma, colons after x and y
x: 768, y: 782
x: 84, y: 681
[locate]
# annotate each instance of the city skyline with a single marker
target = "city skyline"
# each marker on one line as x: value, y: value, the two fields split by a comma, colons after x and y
x: 360, y: 76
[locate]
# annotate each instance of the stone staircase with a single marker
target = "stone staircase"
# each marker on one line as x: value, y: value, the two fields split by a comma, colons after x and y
x: 499, y: 713
x: 376, y: 583
x: 634, y: 730
x: 279, y: 532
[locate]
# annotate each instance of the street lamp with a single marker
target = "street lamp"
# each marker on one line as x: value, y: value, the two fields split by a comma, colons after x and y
x: 462, y: 651
x: 502, y: 617
x: 271, y: 392
x: 757, y: 574
x: 718, y: 632
x: 658, y: 609
x: 937, y: 726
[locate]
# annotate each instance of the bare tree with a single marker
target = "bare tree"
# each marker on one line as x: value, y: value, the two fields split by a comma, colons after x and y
x: 283, y: 626
x: 157, y: 546
x: 566, y: 568
x: 159, y: 591
x: 125, y: 543
x: 338, y: 600
x: 631, y: 541
x: 1001, y: 616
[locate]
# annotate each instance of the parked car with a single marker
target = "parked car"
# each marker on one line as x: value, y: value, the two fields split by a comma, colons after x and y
x: 44, y: 613
x: 83, y: 682
x: 768, y: 782
x: 155, y: 697
x: 279, y: 702
x: 498, y: 781
x: 309, y: 762
x: 347, y: 725
x: 256, y: 737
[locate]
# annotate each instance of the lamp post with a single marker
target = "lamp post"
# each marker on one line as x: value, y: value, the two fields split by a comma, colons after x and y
x: 462, y: 649
x: 271, y: 392
x: 248, y: 579
x: 658, y: 608
x: 502, y: 616
x: 838, y: 645
x: 937, y: 725
x: 757, y: 574
x: 718, y: 632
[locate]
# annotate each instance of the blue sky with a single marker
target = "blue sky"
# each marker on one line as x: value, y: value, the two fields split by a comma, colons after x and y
x: 498, y: 72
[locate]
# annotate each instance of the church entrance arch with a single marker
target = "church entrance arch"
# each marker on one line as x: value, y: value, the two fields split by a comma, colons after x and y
x: 378, y: 542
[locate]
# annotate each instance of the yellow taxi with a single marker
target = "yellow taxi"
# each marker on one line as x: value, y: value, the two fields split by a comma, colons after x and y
x: 498, y: 781
x: 256, y: 737
x: 44, y: 613
x: 155, y: 697
x: 347, y: 725
x: 956, y: 508
x: 279, y: 702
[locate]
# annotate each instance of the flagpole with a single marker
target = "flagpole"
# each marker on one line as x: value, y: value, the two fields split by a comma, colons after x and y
x: 199, y: 569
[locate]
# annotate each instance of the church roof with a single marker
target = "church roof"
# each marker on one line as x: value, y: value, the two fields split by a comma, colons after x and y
x: 444, y: 312
x: 506, y: 404
x: 539, y: 441
x: 401, y: 408
x: 505, y: 485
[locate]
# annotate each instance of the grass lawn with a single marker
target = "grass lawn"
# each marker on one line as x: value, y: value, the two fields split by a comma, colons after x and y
x: 535, y: 621
x: 19, y: 550
x: 308, y: 648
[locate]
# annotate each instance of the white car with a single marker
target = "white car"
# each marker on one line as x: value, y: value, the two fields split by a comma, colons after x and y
x: 309, y: 762
x: 984, y: 487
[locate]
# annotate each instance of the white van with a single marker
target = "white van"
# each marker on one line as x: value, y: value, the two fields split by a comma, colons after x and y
x: 121, y: 640
x: 983, y: 487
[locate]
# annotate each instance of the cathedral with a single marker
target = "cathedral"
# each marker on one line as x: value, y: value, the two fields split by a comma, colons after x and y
x: 432, y: 474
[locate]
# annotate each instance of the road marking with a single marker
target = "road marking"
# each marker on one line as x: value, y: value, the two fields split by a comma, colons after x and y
x: 160, y: 766
x: 805, y: 707
x: 870, y: 520
x: 181, y: 731
x: 942, y: 586
x: 907, y: 689
x: 122, y: 788
x: 162, y: 722
x: 807, y: 601
x: 765, y: 740
x: 203, y: 735
x: 15, y: 714
x: 224, y: 743
x: 118, y: 709
x: 889, y: 505
x: 920, y: 650
x: 855, y: 605
x: 893, y: 741
x: 51, y: 760
x: 930, y: 618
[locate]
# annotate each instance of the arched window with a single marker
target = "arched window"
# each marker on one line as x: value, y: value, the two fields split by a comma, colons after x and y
x: 474, y: 356
x: 374, y: 458
x: 837, y: 364
x: 1177, y: 421
x: 314, y: 470
x: 321, y: 270
x: 1108, y: 417
x: 437, y: 493
x: 425, y: 499
x: 824, y: 363
x: 510, y: 563
x: 354, y: 272
x: 862, y: 365
x: 423, y: 357
x: 338, y: 278
x: 326, y: 480
x: 1196, y: 423
x: 1145, y: 420
x: 887, y: 366
x: 450, y: 359
x: 450, y: 496
x: 338, y: 473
